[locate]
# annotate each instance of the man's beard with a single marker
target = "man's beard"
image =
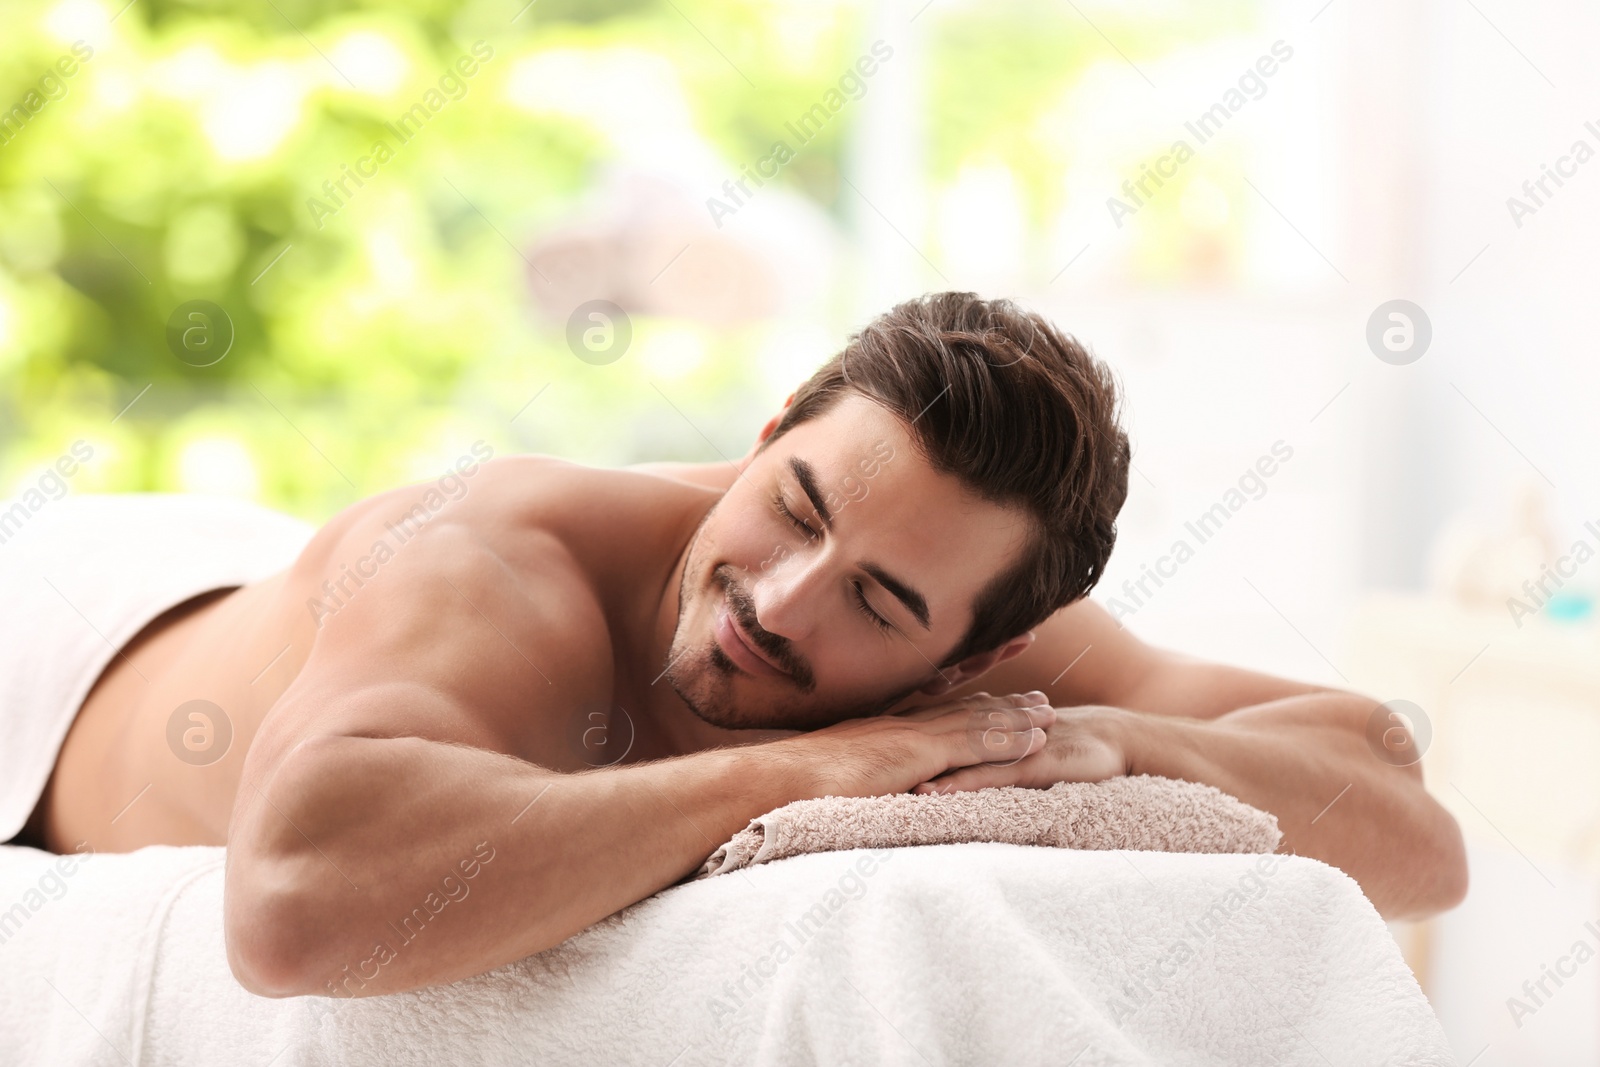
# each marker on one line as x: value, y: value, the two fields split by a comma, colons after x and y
x: 703, y: 676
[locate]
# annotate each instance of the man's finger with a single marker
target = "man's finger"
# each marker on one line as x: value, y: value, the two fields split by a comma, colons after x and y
x: 1005, y: 744
x: 980, y: 776
x: 980, y: 702
x: 924, y: 713
x: 984, y: 724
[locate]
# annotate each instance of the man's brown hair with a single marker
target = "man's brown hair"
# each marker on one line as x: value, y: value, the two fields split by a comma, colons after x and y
x: 1018, y: 411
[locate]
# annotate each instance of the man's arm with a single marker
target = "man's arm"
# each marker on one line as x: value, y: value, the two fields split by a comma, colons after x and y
x: 1307, y: 760
x: 1304, y: 753
x: 378, y: 865
x: 387, y: 836
x: 1081, y: 655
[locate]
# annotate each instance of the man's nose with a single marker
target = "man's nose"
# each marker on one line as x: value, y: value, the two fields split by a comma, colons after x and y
x: 787, y: 598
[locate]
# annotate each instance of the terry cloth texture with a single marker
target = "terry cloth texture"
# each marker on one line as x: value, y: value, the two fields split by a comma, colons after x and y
x: 950, y: 954
x: 1143, y: 812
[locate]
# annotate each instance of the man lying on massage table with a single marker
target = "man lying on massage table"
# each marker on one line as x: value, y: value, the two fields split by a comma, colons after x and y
x: 923, y: 518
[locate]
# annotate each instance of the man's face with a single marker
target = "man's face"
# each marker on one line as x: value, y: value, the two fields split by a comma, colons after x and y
x: 844, y: 605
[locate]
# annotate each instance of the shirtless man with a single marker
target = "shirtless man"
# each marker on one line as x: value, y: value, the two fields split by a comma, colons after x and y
x: 923, y: 519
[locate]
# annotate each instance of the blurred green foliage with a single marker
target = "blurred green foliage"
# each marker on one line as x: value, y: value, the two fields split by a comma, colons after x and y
x: 375, y: 344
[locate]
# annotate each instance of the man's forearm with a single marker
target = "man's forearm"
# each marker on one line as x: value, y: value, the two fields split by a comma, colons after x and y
x: 351, y: 872
x: 373, y: 864
x: 1306, y: 760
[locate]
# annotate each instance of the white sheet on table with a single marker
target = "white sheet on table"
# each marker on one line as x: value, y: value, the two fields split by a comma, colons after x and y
x: 948, y: 954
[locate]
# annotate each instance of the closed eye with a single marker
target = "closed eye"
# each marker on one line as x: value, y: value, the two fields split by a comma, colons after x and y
x: 866, y: 608
x: 862, y: 604
x: 794, y: 520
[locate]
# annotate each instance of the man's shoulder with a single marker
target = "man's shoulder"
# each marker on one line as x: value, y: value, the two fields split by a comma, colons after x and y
x: 538, y: 474
x: 526, y: 494
x: 459, y: 598
x: 533, y: 484
x: 542, y: 536
x: 593, y: 512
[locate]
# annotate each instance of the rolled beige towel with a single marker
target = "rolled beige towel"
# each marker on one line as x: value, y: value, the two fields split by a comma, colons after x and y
x: 1141, y: 812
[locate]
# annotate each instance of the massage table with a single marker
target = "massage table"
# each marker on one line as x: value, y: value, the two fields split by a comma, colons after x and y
x: 975, y: 953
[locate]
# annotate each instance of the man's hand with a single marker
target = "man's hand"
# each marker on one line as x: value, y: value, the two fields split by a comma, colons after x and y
x: 1308, y: 760
x: 1085, y: 744
x: 884, y: 754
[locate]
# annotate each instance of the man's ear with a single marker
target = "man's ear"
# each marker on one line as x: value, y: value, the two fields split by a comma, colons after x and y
x: 977, y: 664
x: 766, y: 432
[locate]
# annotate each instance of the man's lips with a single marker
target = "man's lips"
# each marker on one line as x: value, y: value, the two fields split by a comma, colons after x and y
x: 738, y: 648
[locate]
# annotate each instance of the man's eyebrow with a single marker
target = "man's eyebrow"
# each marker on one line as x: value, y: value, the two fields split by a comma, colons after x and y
x: 807, y: 477
x: 913, y: 600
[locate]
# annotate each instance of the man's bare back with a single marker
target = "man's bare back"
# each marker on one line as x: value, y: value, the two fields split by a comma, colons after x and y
x: 242, y: 649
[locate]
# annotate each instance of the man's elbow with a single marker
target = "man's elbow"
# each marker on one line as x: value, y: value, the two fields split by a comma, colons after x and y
x: 1436, y: 879
x: 264, y: 929
x: 279, y: 922
x: 1451, y: 865
x: 283, y: 920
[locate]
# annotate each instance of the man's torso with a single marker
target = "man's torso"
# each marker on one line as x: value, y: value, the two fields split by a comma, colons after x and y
x: 121, y: 781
